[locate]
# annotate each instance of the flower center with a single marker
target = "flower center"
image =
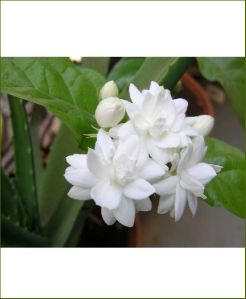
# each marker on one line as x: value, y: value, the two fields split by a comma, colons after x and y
x: 122, y: 170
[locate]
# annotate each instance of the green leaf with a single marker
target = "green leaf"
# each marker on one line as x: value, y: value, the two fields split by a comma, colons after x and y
x: 230, y: 73
x: 224, y: 154
x: 227, y: 188
x: 24, y: 163
x: 99, y: 64
x: 158, y: 69
x: 12, y: 235
x: 11, y: 203
x: 58, y: 211
x: 54, y: 186
x: 1, y: 133
x: 124, y: 70
x: 37, y: 154
x: 71, y: 93
x: 63, y: 220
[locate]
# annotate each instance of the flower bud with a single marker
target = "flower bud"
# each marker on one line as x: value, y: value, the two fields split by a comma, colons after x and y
x: 109, y: 89
x: 109, y: 112
x: 76, y: 59
x: 204, y: 124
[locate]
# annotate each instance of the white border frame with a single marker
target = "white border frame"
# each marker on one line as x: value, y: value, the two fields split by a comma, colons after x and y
x: 123, y: 272
x: 123, y: 28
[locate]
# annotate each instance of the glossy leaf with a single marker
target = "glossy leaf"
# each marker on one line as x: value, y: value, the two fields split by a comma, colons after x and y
x: 24, y: 161
x: 166, y: 71
x: 153, y: 69
x: 124, y: 71
x: 99, y: 64
x: 224, y: 154
x: 230, y: 73
x: 57, y: 84
x: 227, y: 189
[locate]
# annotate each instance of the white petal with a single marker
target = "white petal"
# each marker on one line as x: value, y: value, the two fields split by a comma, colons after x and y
x: 77, y: 160
x: 192, y: 202
x: 138, y: 189
x: 114, y: 131
x: 143, y: 205
x: 204, y: 124
x: 188, y: 130
x: 179, y: 123
x: 152, y: 170
x: 79, y: 193
x: 131, y: 108
x: 171, y: 140
x: 156, y: 129
x: 108, y: 216
x: 143, y: 156
x: 184, y: 159
x: 125, y: 213
x: 79, y: 177
x: 169, y: 110
x: 217, y: 168
x: 191, y: 184
x: 166, y: 186
x: 190, y: 120
x: 126, y: 130
x: 149, y: 102
x: 135, y: 95
x: 96, y: 165
x: 155, y: 88
x: 184, y: 141
x: 199, y: 150
x: 180, y: 202
x: 203, y: 172
x: 161, y: 156
x: 160, y: 100
x: 106, y: 195
x: 128, y: 148
x: 166, y: 204
x: 180, y: 105
x: 140, y: 123
x: 104, y: 145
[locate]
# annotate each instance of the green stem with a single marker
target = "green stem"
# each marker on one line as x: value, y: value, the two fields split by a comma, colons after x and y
x: 175, y: 72
x: 24, y: 162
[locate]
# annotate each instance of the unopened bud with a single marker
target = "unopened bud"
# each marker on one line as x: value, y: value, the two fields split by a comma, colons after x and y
x: 204, y: 124
x: 109, y: 112
x: 109, y: 89
x: 76, y: 59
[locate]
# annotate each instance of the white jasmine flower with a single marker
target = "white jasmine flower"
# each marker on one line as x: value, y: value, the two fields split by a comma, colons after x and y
x: 76, y: 59
x: 108, y: 90
x: 158, y: 120
x: 116, y: 176
x: 203, y: 124
x: 109, y: 112
x: 188, y: 183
